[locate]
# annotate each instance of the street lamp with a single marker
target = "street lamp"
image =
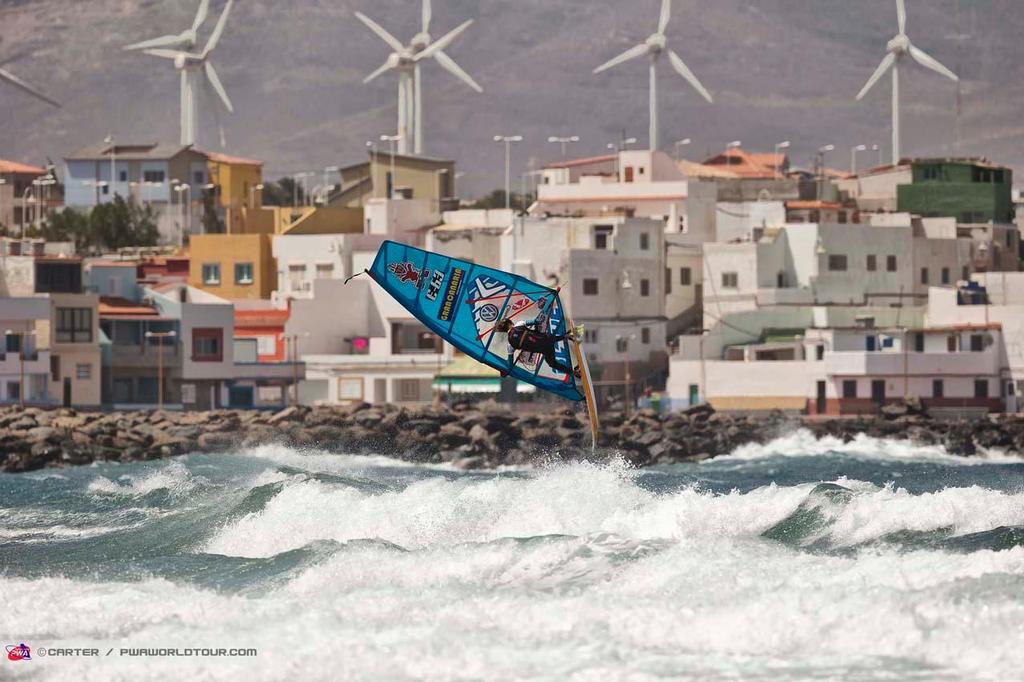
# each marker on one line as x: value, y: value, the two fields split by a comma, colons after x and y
x: 392, y: 139
x: 21, y: 357
x: 44, y: 182
x: 821, y: 168
x: 160, y: 361
x: 294, y: 355
x: 876, y: 148
x: 507, y: 140
x: 564, y: 141
x: 186, y: 215
x: 853, y: 156
x: 735, y: 144
x: 252, y: 194
x: 25, y: 200
x: 681, y: 143
x: 623, y: 341
x: 778, y: 148
x: 109, y: 139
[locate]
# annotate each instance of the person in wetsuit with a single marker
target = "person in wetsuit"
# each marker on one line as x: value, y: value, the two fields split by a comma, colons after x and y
x: 528, y: 337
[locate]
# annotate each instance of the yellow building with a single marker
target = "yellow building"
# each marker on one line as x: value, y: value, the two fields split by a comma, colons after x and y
x: 412, y: 177
x: 233, y: 266
x: 239, y: 186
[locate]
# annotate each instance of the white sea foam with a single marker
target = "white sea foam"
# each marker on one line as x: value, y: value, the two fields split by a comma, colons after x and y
x: 171, y: 475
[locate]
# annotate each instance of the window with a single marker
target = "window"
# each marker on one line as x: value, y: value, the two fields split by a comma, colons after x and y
x: 83, y: 370
x: 601, y: 235
x: 199, y: 178
x: 645, y: 287
x: 685, y: 276
x: 211, y: 273
x: 850, y: 388
x: 924, y: 275
x: 207, y: 345
x: 919, y: 342
x: 938, y: 388
x: 645, y: 335
x: 945, y: 275
x: 837, y: 263
x: 931, y: 172
x: 408, y: 389
x: 977, y: 343
x: 589, y: 336
x: 645, y: 241
x: 297, y: 278
x: 730, y: 280
x: 590, y: 286
x: 668, y: 281
x: 74, y: 325
x: 122, y: 176
x: 890, y: 263
x: 14, y: 390
x: 243, y: 273
x: 981, y: 388
x: 106, y: 188
x: 819, y: 352
x: 13, y: 343
x: 266, y: 345
x: 350, y: 389
x: 325, y: 271
x: 965, y: 274
x: 621, y: 344
x: 872, y: 262
x: 54, y: 368
x: 153, y: 176
x: 951, y: 343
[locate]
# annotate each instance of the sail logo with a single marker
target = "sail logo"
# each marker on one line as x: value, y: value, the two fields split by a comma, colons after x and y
x: 489, y: 312
x: 434, y: 288
x: 406, y: 272
x: 451, y: 293
x: 19, y: 652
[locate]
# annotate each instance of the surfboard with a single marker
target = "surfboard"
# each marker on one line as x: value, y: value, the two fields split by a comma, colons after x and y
x: 587, y: 384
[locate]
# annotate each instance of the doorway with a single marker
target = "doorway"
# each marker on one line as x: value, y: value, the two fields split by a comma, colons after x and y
x: 878, y: 391
x: 67, y: 392
x: 820, y: 403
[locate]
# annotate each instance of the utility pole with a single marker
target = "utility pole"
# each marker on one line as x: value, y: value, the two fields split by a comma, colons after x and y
x: 160, y: 362
x: 508, y: 140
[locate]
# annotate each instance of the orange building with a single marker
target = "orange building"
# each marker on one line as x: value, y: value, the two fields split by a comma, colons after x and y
x: 264, y: 325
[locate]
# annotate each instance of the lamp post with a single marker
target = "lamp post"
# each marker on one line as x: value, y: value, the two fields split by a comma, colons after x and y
x: 507, y: 140
x: 186, y: 214
x: 21, y: 360
x: 735, y: 144
x: 372, y: 146
x: 392, y: 139
x: 853, y: 156
x: 876, y: 148
x: 822, y: 151
x: 252, y: 194
x: 681, y: 143
x: 564, y: 141
x: 293, y: 341
x: 43, y: 182
x: 24, y: 206
x: 109, y: 139
x: 160, y: 362
x: 778, y: 148
x: 624, y: 340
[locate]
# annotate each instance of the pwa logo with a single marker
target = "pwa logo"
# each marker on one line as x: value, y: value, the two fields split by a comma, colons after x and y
x: 19, y: 652
x: 407, y: 273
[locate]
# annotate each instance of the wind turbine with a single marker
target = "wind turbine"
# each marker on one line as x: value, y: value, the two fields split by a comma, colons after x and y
x: 196, y: 69
x: 9, y: 77
x: 654, y: 46
x: 898, y: 48
x: 186, y: 38
x: 405, y: 61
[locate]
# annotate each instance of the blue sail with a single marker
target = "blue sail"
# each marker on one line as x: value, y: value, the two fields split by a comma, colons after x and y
x: 462, y: 302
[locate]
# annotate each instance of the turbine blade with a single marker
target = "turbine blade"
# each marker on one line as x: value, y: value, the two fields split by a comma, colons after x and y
x: 451, y: 67
x: 162, y: 41
x: 211, y: 75
x: 427, y: 11
x: 208, y: 87
x: 444, y: 42
x: 383, y: 67
x: 381, y: 33
x: 684, y: 71
x: 166, y: 54
x: 886, y: 64
x: 201, y: 14
x: 631, y: 53
x: 9, y: 77
x: 666, y: 14
x: 901, y: 15
x: 925, y: 59
x: 218, y: 30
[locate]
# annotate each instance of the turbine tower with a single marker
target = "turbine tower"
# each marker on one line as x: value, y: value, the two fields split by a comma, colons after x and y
x: 898, y: 48
x: 196, y: 69
x: 654, y: 46
x: 406, y: 60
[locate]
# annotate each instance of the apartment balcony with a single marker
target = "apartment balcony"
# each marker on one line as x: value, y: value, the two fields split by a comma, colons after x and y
x: 864, y: 363
x: 131, y: 356
x: 269, y: 371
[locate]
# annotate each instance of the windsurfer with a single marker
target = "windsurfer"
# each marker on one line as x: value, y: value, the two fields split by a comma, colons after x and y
x: 529, y: 338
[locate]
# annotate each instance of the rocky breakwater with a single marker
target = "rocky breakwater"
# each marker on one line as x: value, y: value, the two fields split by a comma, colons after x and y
x: 468, y: 436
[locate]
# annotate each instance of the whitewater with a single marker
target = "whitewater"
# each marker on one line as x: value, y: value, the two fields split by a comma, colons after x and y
x: 801, y: 559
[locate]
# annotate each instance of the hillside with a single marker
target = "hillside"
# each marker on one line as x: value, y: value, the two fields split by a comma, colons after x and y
x: 779, y: 69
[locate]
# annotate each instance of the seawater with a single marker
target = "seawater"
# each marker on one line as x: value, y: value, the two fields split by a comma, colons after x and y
x: 802, y: 559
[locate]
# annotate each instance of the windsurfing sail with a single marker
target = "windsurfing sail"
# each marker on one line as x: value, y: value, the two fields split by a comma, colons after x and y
x: 462, y: 303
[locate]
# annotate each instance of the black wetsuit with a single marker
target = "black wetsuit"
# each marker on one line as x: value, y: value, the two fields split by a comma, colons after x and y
x: 526, y: 338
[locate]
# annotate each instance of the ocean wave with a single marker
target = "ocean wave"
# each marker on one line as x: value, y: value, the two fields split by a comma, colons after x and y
x: 171, y: 476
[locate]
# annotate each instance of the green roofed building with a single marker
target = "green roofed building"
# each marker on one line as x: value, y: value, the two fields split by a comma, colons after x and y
x: 970, y: 190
